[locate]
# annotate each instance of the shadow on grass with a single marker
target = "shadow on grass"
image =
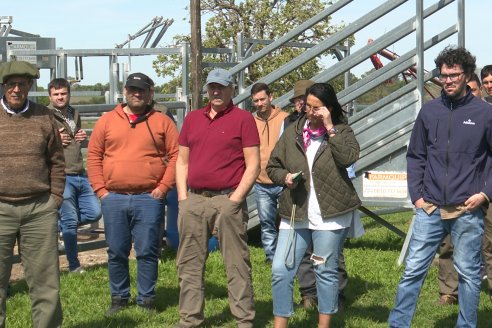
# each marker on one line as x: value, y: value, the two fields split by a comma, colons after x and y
x: 484, y: 319
x: 387, y: 243
x: 224, y: 319
x: 18, y: 287
x: 117, y: 321
x: 374, y: 313
x: 356, y: 289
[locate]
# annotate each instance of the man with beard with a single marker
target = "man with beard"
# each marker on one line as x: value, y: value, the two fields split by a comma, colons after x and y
x: 448, y: 183
x: 131, y: 165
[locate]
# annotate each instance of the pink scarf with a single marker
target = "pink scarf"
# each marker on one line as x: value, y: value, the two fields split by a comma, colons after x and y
x: 308, y: 134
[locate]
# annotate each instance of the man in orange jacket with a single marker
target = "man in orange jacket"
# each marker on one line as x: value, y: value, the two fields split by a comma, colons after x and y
x: 131, y: 164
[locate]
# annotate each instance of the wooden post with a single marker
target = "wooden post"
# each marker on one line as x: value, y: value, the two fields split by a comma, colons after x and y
x: 196, y: 54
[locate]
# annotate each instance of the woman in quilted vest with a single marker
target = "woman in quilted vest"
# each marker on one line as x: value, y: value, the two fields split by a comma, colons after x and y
x: 319, y: 202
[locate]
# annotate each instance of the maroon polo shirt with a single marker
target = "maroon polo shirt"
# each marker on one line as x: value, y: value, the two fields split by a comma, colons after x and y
x: 216, y: 160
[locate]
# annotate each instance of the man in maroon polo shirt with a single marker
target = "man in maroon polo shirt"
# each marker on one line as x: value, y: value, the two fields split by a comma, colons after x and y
x: 218, y: 163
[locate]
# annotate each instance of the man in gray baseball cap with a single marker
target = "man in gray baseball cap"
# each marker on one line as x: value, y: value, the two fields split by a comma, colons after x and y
x: 31, y: 191
x: 212, y: 189
x: 220, y: 76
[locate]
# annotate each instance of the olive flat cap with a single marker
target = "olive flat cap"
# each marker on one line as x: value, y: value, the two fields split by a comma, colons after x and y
x: 18, y: 68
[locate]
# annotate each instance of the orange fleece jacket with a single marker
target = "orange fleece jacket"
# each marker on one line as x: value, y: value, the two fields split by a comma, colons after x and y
x: 269, y: 131
x: 124, y: 159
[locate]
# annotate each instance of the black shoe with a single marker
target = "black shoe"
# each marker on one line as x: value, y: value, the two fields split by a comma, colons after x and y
x: 147, y: 304
x: 117, y: 304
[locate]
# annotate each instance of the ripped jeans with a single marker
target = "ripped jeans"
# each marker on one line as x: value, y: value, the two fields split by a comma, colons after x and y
x: 291, y: 246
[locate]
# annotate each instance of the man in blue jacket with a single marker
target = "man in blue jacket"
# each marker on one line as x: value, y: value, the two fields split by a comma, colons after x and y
x: 448, y: 185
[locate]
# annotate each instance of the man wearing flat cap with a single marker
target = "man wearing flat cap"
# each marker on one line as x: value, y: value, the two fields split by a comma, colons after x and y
x: 131, y: 166
x: 31, y: 190
x: 218, y: 163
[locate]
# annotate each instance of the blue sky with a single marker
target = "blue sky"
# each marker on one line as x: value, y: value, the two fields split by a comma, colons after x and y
x: 92, y: 24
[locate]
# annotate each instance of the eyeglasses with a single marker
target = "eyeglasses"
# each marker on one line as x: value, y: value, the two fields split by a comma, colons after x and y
x: 453, y: 77
x: 12, y: 85
x: 309, y: 107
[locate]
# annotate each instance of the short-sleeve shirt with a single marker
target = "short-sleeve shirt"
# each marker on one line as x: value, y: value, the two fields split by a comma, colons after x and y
x: 216, y: 158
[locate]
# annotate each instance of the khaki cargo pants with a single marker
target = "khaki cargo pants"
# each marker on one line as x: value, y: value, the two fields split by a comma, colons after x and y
x: 199, y: 217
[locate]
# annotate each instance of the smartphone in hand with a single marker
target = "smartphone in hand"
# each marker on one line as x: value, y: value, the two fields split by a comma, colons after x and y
x: 296, y: 177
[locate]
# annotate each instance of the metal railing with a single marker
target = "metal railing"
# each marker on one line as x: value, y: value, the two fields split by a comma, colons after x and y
x: 382, y: 128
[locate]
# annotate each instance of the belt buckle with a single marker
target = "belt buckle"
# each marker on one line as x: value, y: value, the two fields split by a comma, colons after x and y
x: 207, y: 193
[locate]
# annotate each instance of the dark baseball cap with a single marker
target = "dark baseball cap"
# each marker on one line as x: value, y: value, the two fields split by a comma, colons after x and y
x: 139, y: 80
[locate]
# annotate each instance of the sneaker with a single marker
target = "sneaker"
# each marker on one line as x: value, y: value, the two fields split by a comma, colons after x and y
x: 117, y: 304
x: 447, y: 300
x: 79, y: 270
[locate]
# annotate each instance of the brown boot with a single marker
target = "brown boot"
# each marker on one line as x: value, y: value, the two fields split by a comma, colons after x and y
x: 309, y: 303
x: 447, y: 300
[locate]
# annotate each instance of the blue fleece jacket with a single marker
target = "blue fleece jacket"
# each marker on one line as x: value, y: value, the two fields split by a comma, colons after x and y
x: 448, y: 150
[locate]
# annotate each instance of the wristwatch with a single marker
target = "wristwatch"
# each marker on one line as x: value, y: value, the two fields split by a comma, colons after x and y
x: 332, y: 131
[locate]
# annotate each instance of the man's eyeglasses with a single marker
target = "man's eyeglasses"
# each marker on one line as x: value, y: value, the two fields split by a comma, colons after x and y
x: 453, y: 77
x: 12, y: 85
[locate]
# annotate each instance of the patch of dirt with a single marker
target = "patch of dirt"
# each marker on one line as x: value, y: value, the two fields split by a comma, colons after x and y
x: 86, y: 258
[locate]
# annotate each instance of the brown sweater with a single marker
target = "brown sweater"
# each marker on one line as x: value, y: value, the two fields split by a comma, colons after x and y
x: 31, y: 155
x: 269, y: 131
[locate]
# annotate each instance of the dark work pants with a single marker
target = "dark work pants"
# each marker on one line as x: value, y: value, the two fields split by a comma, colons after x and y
x: 448, y: 277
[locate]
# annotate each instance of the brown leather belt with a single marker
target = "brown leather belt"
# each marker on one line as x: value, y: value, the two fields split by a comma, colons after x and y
x: 211, y: 193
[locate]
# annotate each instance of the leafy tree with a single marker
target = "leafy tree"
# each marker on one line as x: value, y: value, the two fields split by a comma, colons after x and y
x: 256, y: 19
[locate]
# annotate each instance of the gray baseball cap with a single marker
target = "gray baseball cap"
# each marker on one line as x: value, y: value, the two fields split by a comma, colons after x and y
x: 220, y: 76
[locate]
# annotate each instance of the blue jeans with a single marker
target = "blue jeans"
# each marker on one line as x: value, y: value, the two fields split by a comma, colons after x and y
x: 80, y: 205
x: 266, y: 204
x: 137, y: 218
x: 291, y: 246
x: 428, y: 232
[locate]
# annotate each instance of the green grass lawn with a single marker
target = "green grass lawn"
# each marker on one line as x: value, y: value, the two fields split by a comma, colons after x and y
x: 371, y: 264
